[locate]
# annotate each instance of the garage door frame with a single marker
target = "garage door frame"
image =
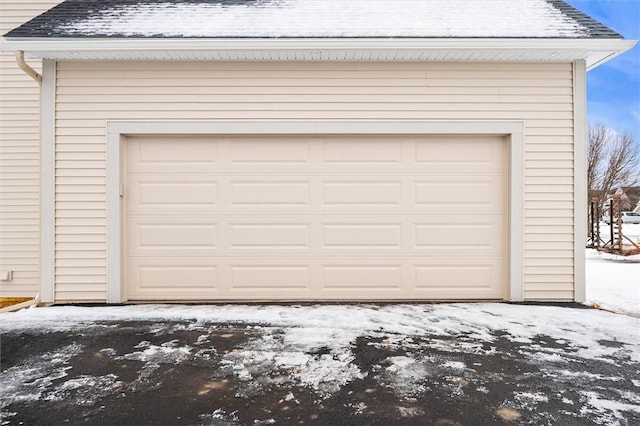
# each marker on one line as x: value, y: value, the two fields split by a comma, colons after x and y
x: 118, y: 131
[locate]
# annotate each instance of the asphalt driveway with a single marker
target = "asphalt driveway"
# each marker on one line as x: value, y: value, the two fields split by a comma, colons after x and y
x: 450, y: 364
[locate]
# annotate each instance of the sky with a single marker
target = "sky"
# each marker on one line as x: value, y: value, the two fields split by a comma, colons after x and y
x: 613, y: 89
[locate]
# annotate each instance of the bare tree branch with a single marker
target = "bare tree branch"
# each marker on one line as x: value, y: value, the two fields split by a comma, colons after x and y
x: 597, y: 142
x: 613, y: 160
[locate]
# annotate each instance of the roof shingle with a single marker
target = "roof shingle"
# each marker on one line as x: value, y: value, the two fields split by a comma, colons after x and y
x: 314, y: 19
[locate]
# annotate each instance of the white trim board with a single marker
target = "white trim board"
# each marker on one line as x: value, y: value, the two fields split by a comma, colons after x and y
x: 47, y: 181
x: 118, y: 130
x: 580, y: 178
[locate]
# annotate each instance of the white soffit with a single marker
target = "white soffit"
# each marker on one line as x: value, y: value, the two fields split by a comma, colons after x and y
x: 593, y: 52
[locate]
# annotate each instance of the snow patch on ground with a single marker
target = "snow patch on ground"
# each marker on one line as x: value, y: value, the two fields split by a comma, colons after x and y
x: 316, y: 326
x: 454, y: 365
x: 606, y: 411
x: 166, y: 353
x: 613, y: 282
x: 530, y: 399
x: 548, y: 357
x: 406, y: 375
x: 28, y: 381
x: 297, y: 355
x: 585, y: 375
x: 219, y: 418
x: 34, y: 379
x: 84, y: 390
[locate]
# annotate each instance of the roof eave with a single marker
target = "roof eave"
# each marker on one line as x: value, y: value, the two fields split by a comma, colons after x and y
x: 594, y: 51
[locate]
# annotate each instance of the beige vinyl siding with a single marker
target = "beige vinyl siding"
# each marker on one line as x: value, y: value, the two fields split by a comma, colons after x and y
x: 19, y: 160
x: 90, y: 93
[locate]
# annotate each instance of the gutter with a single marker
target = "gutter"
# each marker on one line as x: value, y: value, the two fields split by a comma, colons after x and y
x: 26, y: 68
x: 593, y: 51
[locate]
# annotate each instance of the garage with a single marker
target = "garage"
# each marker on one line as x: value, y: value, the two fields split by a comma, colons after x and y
x: 315, y: 217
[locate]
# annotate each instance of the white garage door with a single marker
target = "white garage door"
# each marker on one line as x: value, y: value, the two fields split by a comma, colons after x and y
x: 315, y: 218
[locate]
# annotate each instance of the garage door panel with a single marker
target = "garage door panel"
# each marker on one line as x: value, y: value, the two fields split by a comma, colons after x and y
x: 160, y: 153
x: 359, y: 235
x: 486, y: 235
x: 185, y: 193
x: 362, y: 277
x: 269, y: 151
x: 450, y: 194
x: 274, y: 235
x: 152, y: 274
x: 480, y: 276
x: 318, y: 236
x: 444, y: 153
x: 315, y: 218
x: 269, y: 193
x: 354, y: 279
x: 174, y: 235
x: 273, y: 276
x: 362, y: 193
x: 429, y: 194
x: 171, y: 191
x: 354, y: 152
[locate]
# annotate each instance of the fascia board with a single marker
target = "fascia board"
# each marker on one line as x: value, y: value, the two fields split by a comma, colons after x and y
x: 596, y: 51
x: 607, y: 55
x: 97, y: 44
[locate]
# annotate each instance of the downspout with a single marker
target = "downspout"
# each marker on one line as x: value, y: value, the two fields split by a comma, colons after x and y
x: 38, y: 78
x: 26, y: 68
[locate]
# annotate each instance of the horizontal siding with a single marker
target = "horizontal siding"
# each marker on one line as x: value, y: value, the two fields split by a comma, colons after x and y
x: 19, y: 159
x: 90, y: 93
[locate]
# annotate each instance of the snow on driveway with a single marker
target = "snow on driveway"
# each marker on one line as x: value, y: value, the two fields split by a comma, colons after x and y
x: 581, y: 359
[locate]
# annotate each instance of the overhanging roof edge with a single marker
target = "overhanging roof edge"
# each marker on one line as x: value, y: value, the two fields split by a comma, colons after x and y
x: 600, y: 50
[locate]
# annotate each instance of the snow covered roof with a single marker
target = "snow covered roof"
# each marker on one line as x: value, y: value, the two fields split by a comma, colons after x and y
x: 317, y: 30
x: 314, y: 19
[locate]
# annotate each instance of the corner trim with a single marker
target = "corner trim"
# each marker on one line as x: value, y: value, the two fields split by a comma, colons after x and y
x: 47, y: 181
x: 118, y: 130
x: 580, y: 178
x: 115, y: 290
x: 516, y: 214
